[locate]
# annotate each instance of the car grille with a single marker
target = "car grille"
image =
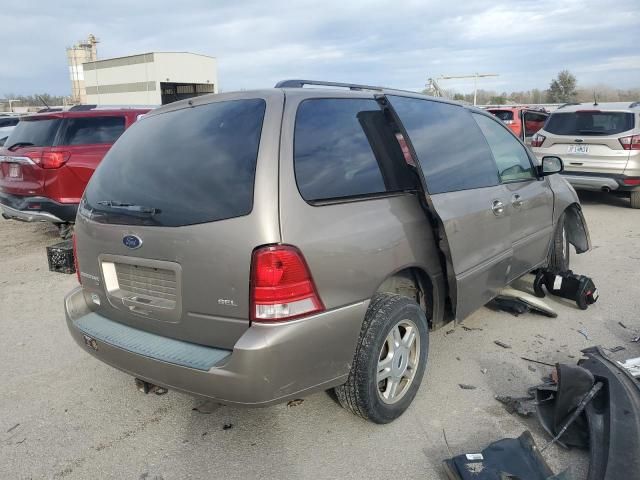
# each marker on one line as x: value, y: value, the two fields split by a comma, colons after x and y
x: 149, y: 283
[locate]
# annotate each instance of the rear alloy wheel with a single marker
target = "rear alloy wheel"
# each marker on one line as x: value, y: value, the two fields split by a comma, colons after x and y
x: 635, y: 199
x: 390, y: 359
x: 559, y: 256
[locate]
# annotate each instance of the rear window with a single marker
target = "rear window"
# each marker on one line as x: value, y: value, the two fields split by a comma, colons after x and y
x: 504, y: 115
x: 184, y: 167
x: 8, y: 122
x: 92, y: 130
x: 589, y: 123
x: 31, y: 132
x: 345, y: 148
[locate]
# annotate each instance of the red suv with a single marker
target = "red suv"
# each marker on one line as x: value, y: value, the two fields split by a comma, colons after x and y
x: 522, y: 121
x: 48, y: 159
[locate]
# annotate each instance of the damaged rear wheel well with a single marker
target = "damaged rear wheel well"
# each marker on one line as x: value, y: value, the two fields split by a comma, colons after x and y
x: 414, y: 283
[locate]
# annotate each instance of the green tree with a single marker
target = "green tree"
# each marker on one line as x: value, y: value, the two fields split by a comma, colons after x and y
x: 563, y: 88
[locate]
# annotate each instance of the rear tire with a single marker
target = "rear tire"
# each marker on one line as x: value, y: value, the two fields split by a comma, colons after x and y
x: 559, y: 256
x: 389, y: 361
x: 635, y: 199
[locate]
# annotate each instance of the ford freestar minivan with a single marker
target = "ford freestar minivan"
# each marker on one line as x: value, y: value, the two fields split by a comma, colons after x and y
x: 255, y: 247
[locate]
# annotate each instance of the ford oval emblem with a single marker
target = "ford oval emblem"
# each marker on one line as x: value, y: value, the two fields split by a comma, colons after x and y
x: 132, y: 241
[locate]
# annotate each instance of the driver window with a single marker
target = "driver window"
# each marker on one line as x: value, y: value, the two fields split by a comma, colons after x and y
x: 510, y: 156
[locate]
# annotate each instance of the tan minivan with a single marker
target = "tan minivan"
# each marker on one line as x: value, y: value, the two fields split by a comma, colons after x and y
x: 258, y: 246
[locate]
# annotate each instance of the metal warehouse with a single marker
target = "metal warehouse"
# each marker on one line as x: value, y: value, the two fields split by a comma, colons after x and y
x: 150, y: 78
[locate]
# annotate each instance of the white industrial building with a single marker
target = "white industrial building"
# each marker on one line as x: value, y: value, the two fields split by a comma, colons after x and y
x: 153, y: 78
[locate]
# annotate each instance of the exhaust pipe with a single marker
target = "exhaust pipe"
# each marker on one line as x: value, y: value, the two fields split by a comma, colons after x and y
x: 146, y: 387
x: 606, y: 189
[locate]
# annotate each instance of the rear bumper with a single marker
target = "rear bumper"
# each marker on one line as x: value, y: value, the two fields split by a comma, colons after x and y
x: 599, y: 182
x: 268, y: 364
x: 36, y: 209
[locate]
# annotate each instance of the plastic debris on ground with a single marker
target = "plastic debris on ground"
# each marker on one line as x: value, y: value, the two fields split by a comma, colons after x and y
x: 509, y: 458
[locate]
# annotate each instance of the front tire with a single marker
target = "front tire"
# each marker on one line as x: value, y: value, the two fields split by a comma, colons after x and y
x: 390, y: 359
x: 559, y: 256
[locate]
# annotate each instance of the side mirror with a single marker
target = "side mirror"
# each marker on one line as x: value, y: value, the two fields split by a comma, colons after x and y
x: 550, y: 165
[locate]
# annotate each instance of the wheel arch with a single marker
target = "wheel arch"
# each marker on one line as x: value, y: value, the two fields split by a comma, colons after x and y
x: 428, y: 290
x: 576, y: 227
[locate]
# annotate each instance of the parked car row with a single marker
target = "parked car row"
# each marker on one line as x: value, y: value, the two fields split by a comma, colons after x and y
x: 599, y: 143
x: 255, y: 247
x: 49, y: 157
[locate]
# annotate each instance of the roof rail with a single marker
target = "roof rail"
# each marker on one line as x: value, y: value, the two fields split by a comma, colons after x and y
x: 350, y: 86
x: 568, y: 104
x: 88, y: 107
x: 82, y: 108
x: 634, y: 105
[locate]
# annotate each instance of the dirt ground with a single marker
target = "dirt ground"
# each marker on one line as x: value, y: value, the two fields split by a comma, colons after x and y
x: 64, y: 414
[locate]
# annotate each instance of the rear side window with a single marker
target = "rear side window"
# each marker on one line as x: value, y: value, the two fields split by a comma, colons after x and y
x: 39, y: 133
x: 452, y: 151
x: 183, y: 167
x: 589, y: 122
x: 345, y: 148
x: 504, y: 115
x: 92, y: 130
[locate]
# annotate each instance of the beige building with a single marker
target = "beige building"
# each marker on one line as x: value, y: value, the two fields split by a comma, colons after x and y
x: 77, y: 55
x: 153, y: 78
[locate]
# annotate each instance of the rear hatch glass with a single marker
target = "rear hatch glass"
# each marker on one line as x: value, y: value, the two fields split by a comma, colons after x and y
x: 40, y: 132
x: 183, y: 167
x: 504, y: 115
x: 589, y: 122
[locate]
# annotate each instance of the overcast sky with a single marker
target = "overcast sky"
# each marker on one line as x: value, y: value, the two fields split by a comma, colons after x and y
x: 394, y: 43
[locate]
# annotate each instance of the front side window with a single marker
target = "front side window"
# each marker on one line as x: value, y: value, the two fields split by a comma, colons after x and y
x: 93, y: 130
x: 510, y: 156
x: 450, y: 147
x: 345, y: 148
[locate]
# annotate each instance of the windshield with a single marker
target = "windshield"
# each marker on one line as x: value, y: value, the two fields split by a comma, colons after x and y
x: 188, y: 166
x: 39, y: 132
x: 589, y: 122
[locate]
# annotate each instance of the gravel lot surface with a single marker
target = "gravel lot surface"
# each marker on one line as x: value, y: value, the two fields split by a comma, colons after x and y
x: 64, y: 414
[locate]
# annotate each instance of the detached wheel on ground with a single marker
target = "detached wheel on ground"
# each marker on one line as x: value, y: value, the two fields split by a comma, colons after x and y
x: 390, y: 359
x: 635, y: 199
x: 559, y: 256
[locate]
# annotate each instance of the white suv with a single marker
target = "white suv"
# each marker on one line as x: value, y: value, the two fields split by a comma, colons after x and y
x: 599, y: 145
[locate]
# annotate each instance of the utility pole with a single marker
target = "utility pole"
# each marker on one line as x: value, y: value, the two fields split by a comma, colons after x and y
x: 11, y: 102
x: 475, y: 77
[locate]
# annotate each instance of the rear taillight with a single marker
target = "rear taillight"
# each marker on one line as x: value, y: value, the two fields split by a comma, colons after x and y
x: 537, y: 140
x: 281, y: 285
x: 75, y: 258
x: 53, y: 159
x: 631, y: 181
x: 631, y: 142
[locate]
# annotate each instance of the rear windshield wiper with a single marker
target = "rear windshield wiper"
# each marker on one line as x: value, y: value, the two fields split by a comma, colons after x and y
x: 20, y: 144
x: 130, y: 207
